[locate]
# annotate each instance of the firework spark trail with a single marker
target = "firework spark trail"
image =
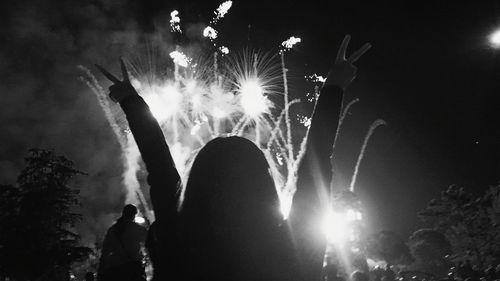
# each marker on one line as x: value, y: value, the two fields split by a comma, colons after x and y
x: 241, y: 131
x: 103, y: 100
x: 339, y: 126
x: 375, y: 124
x: 216, y: 67
x: 129, y: 149
x: 131, y: 167
x: 275, y: 130
x: 257, y: 123
x: 134, y: 193
x: 288, y: 143
x: 277, y: 123
x: 288, y: 44
x: 239, y: 127
x: 341, y: 120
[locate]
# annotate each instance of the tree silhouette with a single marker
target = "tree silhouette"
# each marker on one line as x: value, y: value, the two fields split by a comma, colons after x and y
x: 37, y: 240
x: 388, y: 246
x: 470, y: 223
x: 430, y: 249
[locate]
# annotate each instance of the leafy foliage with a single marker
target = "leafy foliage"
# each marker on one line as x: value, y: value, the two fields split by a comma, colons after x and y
x: 431, y: 250
x: 388, y: 246
x: 471, y: 224
x: 37, y: 240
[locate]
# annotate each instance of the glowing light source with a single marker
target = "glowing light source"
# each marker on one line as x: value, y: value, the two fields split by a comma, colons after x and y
x: 139, y: 220
x: 337, y: 226
x: 495, y: 39
x: 195, y: 129
x: 288, y: 44
x: 252, y: 97
x: 180, y: 58
x: 210, y: 32
x: 218, y: 113
x: 164, y: 101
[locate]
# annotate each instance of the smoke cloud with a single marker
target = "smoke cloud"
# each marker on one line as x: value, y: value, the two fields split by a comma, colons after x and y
x: 44, y: 104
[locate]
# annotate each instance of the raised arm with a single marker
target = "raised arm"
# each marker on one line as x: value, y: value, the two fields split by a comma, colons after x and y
x: 315, y: 172
x: 163, y: 177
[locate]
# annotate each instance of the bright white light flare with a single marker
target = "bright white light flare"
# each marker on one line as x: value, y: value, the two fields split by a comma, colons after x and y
x: 495, y: 39
x: 337, y: 226
x: 139, y: 220
x: 164, y: 101
x: 253, y: 101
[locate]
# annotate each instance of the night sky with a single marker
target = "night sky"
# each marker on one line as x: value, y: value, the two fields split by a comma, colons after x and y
x: 431, y: 75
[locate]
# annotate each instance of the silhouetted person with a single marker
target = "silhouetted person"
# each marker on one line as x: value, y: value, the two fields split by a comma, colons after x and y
x: 122, y: 257
x: 230, y: 217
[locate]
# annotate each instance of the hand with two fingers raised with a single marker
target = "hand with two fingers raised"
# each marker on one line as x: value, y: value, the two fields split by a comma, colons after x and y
x: 120, y: 89
x: 343, y: 71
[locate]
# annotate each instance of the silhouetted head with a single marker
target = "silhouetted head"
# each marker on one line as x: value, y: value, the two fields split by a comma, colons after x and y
x: 230, y: 201
x: 229, y: 184
x: 129, y: 212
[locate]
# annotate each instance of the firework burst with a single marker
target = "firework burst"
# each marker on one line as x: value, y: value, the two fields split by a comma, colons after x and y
x: 196, y: 100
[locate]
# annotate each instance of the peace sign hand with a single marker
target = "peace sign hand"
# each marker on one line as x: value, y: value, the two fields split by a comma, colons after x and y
x: 343, y: 71
x: 120, y: 89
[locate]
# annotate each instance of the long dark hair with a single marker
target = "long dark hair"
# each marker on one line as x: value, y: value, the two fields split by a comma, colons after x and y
x: 230, y: 210
x: 230, y: 182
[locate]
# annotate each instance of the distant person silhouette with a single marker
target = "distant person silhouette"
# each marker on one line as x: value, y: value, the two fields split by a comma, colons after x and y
x: 121, y: 257
x: 229, y: 225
